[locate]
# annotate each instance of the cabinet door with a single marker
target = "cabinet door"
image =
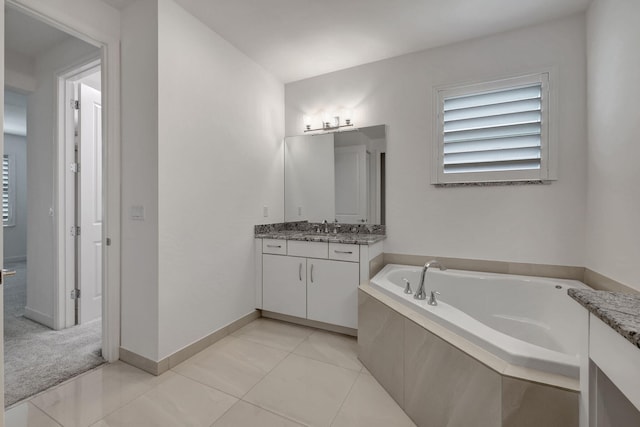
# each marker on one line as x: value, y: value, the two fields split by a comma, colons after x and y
x: 284, y: 281
x: 332, y: 292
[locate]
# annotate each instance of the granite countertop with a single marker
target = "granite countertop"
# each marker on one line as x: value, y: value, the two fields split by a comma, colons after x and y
x: 618, y: 310
x: 360, y: 234
x: 353, y: 238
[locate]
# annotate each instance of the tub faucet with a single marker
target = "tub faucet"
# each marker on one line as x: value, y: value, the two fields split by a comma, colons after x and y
x: 420, y: 293
x: 432, y: 298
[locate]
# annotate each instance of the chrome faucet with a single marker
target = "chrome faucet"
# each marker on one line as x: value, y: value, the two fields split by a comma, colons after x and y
x: 326, y: 226
x: 432, y: 298
x: 336, y: 226
x: 420, y: 293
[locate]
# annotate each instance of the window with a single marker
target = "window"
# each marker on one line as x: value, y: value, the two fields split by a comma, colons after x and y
x: 493, y: 132
x: 8, y: 191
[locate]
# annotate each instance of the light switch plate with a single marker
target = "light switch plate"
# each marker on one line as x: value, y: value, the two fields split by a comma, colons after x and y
x: 137, y: 213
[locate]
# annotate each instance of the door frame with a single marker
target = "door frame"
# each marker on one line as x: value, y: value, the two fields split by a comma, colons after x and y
x: 67, y: 259
x: 111, y: 181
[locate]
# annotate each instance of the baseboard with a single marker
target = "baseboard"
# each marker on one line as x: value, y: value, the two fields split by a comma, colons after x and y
x: 589, y: 277
x: 19, y: 258
x: 141, y: 362
x: 485, y: 266
x: 311, y: 323
x: 604, y: 283
x: 38, y: 317
x: 158, y: 368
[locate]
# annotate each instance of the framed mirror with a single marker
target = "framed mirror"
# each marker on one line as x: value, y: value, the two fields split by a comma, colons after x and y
x: 336, y: 176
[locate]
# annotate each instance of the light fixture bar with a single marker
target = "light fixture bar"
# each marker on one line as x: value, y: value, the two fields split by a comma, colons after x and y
x: 328, y: 126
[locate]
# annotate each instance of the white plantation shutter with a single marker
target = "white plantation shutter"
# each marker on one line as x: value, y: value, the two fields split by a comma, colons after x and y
x: 7, y: 191
x: 493, y: 132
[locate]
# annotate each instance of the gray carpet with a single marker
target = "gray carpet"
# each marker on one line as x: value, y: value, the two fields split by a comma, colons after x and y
x: 36, y: 357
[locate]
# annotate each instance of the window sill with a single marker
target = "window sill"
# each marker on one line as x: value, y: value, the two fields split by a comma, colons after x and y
x: 491, y: 184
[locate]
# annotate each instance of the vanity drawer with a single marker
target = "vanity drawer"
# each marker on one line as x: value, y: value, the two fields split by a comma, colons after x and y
x: 307, y: 249
x: 344, y: 252
x: 274, y: 246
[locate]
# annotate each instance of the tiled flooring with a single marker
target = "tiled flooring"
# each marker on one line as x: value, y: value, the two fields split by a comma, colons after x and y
x: 268, y: 373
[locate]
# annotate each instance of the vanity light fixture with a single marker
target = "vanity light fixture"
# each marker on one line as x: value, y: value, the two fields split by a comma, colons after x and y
x: 330, y: 121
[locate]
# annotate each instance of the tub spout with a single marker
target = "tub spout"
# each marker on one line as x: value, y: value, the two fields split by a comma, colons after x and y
x: 421, y: 294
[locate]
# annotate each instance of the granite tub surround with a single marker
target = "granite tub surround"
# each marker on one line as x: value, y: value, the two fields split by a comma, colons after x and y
x: 620, y: 311
x: 361, y: 234
x: 438, y: 378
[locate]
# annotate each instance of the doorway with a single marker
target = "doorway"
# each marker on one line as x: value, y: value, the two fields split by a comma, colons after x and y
x: 50, y: 334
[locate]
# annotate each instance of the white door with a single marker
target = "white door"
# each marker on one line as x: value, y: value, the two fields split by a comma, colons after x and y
x: 90, y: 204
x: 351, y: 184
x: 332, y: 292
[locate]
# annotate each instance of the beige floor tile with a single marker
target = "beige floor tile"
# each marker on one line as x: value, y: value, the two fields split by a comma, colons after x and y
x: 90, y: 397
x: 337, y: 349
x: 178, y: 401
x: 246, y: 414
x: 273, y: 333
x: 27, y: 415
x: 305, y: 390
x: 369, y: 405
x: 232, y: 365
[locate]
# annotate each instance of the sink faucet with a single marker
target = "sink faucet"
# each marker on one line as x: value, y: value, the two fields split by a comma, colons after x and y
x: 336, y: 226
x: 420, y: 293
x: 326, y: 226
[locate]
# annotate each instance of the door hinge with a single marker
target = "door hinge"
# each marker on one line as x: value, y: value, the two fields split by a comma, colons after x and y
x: 75, y: 231
x: 75, y: 167
x: 75, y: 294
x: 75, y: 105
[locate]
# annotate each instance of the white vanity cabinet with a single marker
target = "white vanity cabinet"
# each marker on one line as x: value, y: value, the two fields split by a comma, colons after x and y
x: 284, y: 285
x: 316, y: 281
x: 332, y: 292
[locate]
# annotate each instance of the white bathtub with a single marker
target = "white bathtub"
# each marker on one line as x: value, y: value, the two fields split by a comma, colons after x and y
x: 525, y: 321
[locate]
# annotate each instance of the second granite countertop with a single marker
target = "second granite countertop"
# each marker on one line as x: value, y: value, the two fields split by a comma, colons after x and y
x: 620, y: 311
x: 349, y: 238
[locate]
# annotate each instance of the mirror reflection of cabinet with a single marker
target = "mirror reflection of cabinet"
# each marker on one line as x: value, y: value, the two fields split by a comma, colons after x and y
x: 336, y: 176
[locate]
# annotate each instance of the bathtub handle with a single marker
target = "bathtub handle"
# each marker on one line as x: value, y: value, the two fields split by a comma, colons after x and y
x: 407, y: 288
x: 311, y: 273
x: 300, y: 272
x: 343, y: 252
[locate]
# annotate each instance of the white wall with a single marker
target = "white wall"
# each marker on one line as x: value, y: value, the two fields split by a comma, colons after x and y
x: 19, y: 71
x: 613, y: 228
x: 15, y: 237
x: 534, y: 224
x: 139, y: 310
x: 41, y: 157
x: 221, y: 125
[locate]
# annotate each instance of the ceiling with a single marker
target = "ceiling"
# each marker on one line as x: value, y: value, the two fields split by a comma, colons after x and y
x: 29, y: 36
x: 298, y: 39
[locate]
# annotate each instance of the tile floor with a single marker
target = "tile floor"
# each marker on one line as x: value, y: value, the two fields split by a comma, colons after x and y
x: 268, y: 373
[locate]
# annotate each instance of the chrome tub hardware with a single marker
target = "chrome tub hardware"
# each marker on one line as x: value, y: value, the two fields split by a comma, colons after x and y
x: 432, y: 298
x: 407, y: 288
x: 420, y: 293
